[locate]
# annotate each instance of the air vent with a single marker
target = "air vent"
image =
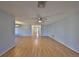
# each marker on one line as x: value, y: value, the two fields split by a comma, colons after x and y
x: 41, y: 4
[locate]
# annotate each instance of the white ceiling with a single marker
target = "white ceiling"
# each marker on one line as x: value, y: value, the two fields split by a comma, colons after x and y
x: 26, y: 10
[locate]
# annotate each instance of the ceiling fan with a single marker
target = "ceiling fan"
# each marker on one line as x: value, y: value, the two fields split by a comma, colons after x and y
x: 40, y: 19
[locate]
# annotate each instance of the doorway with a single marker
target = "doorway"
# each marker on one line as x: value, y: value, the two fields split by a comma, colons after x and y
x: 36, y: 30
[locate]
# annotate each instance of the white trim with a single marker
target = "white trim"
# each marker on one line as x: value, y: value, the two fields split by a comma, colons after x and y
x: 7, y: 50
x: 64, y: 44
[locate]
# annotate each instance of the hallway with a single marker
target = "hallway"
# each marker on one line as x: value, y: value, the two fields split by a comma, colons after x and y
x: 43, y: 46
x: 23, y: 22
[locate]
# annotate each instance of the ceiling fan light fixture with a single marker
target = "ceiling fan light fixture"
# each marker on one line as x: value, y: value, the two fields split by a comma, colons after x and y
x: 39, y: 21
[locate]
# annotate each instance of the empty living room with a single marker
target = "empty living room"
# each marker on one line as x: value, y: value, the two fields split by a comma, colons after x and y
x: 39, y: 28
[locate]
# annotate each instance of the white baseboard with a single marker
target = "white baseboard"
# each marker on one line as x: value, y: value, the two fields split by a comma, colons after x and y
x: 65, y: 45
x: 7, y: 50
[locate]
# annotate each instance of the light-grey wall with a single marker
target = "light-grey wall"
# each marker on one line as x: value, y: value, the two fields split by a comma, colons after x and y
x: 24, y: 30
x: 6, y: 31
x: 65, y: 31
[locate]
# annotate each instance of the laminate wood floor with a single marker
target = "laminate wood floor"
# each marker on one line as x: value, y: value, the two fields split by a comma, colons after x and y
x: 43, y: 46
